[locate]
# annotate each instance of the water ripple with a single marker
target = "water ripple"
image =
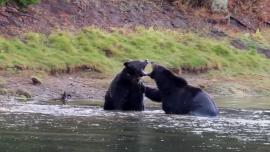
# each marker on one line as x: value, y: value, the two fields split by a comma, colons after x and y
x: 241, y: 124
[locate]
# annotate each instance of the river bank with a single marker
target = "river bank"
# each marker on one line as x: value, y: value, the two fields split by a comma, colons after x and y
x: 83, y: 64
x: 92, y: 85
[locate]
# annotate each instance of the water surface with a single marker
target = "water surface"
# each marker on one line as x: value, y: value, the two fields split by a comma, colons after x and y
x: 82, y: 126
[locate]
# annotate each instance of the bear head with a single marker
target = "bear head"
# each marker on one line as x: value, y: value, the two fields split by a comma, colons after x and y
x: 136, y: 68
x: 159, y: 71
x: 164, y: 78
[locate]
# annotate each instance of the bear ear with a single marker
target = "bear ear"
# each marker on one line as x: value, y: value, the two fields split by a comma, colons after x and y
x: 125, y: 63
x: 146, y: 61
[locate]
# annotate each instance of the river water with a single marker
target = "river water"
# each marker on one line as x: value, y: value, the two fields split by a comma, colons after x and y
x: 83, y: 126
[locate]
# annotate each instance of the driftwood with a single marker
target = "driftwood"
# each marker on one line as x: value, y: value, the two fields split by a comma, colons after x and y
x: 241, y: 23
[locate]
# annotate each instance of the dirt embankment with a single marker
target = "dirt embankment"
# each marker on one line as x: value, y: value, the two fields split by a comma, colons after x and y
x: 239, y: 15
x: 92, y: 86
x: 253, y: 13
x: 49, y: 15
x: 75, y: 14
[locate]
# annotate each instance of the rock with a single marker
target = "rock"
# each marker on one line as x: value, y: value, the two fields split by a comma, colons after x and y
x: 202, y: 86
x: 236, y: 92
x: 238, y: 44
x: 3, y: 91
x: 219, y: 6
x: 264, y: 51
x: 2, y: 83
x: 179, y: 23
x: 21, y: 92
x: 217, y: 33
x: 21, y: 98
x: 65, y: 97
x: 36, y: 81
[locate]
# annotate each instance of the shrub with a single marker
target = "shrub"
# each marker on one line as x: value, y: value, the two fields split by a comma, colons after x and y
x: 193, y: 3
x: 2, y: 2
x: 25, y: 2
x: 21, y: 3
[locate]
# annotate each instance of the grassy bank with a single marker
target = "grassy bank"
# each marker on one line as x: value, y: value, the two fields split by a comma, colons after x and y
x: 105, y: 51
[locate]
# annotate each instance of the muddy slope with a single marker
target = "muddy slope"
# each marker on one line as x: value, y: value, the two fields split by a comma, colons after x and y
x: 74, y: 14
x: 49, y: 15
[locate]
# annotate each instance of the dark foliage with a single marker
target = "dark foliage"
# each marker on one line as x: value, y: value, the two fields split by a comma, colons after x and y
x: 21, y: 3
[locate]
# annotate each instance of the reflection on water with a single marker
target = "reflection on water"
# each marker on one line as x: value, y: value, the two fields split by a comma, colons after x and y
x: 33, y: 127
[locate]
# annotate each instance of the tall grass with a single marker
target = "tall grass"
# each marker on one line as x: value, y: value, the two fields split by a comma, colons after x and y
x: 105, y: 51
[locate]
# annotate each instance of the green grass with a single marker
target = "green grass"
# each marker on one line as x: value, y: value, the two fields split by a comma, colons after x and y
x: 106, y: 51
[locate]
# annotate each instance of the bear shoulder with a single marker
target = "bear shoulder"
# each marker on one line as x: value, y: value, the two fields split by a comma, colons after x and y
x: 179, y: 81
x: 194, y: 90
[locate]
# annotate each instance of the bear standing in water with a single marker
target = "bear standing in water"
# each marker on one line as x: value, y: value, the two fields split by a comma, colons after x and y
x: 177, y: 96
x: 126, y: 90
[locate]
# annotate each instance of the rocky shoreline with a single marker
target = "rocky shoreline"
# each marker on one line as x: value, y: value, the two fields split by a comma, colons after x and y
x: 92, y: 86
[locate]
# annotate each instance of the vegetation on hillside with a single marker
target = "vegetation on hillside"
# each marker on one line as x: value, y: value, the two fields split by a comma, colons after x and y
x: 22, y: 3
x: 105, y: 51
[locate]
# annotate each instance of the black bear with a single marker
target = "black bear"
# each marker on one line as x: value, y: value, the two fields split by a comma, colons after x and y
x: 126, y: 90
x: 177, y: 96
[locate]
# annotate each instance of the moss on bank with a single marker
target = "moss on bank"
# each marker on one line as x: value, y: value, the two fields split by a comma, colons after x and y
x: 105, y: 51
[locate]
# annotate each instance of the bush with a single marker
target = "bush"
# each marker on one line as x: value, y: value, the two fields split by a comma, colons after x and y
x: 21, y: 3
x: 2, y: 2
x: 194, y: 3
x: 25, y: 2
